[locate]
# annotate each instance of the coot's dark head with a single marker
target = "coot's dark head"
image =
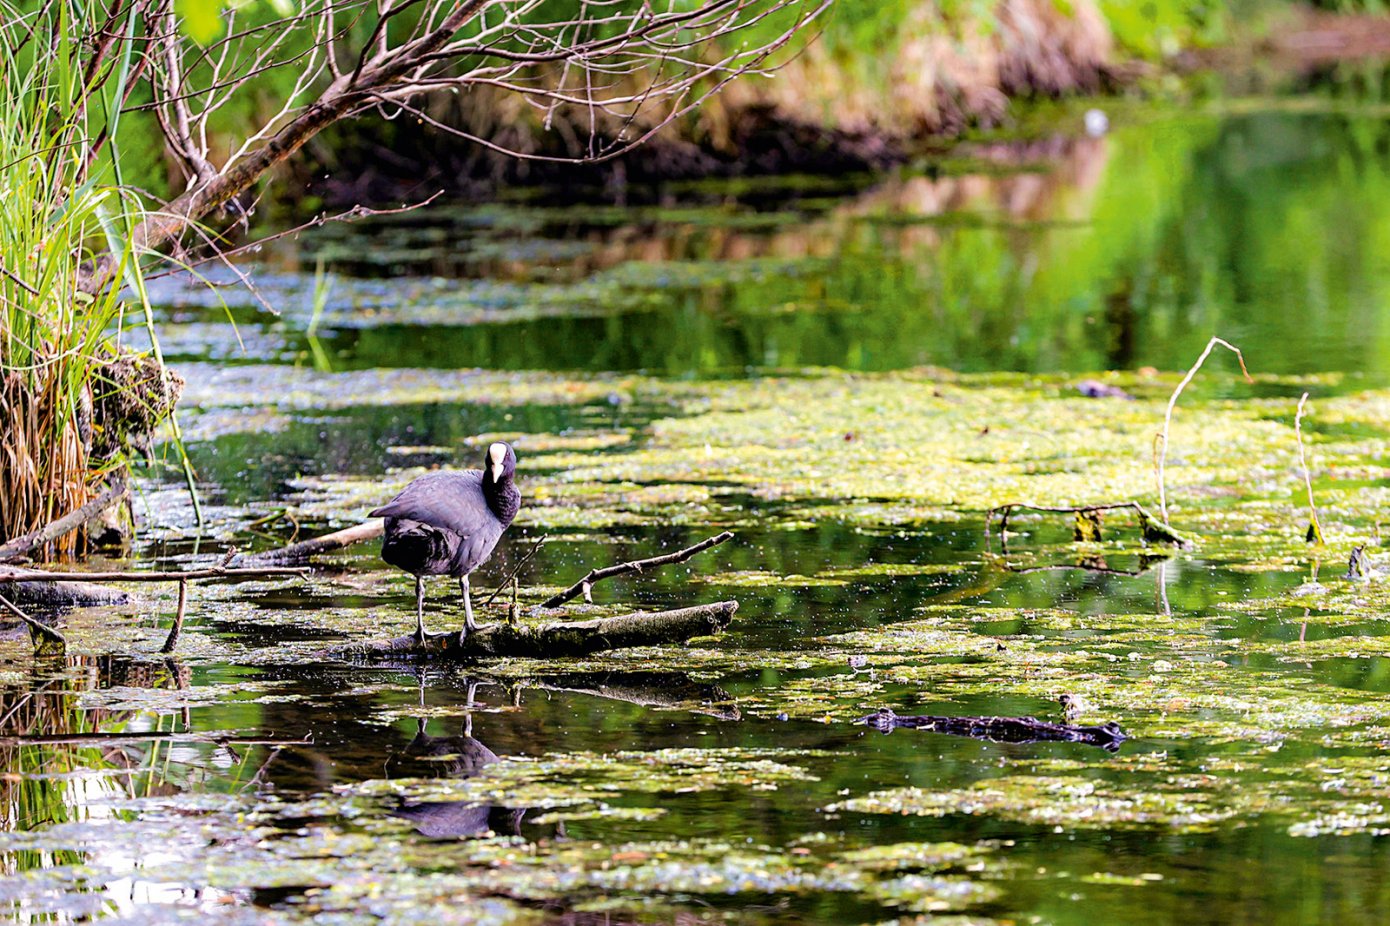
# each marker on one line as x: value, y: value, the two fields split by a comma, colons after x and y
x: 499, y: 465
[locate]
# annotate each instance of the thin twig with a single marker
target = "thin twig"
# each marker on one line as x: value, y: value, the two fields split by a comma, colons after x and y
x: 1315, y: 527
x: 1161, y: 439
x: 212, y: 572
x: 584, y: 585
x: 1152, y: 529
x: 271, y: 518
x: 350, y: 215
x: 516, y: 569
x: 1006, y: 510
x: 115, y: 739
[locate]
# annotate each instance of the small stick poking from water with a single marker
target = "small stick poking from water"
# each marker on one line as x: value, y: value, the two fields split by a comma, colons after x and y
x: 172, y: 640
x: 1161, y: 439
x: 584, y: 585
x: 510, y: 580
x: 1314, y: 526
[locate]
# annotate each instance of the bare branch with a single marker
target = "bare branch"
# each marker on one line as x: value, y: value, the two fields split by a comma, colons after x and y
x: 624, y: 72
x: 584, y: 585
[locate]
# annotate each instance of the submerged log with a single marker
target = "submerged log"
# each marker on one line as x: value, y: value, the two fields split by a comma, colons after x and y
x: 562, y: 638
x: 34, y: 586
x: 1107, y: 736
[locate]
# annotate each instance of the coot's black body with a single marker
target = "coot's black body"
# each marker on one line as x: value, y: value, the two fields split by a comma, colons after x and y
x: 448, y: 523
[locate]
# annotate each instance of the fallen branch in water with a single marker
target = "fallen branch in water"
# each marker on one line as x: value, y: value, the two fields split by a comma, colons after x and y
x: 11, y: 574
x: 1153, y: 530
x: 585, y: 585
x: 307, y: 549
x: 62, y: 580
x: 561, y: 638
x: 28, y: 544
x: 1107, y: 736
x: 116, y: 739
x: 33, y: 586
x: 40, y: 631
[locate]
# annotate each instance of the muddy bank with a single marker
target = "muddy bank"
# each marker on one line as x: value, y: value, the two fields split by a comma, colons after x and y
x: 865, y: 96
x: 856, y: 100
x: 379, y: 162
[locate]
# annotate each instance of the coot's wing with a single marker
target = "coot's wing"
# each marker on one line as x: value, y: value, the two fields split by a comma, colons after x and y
x: 453, y: 501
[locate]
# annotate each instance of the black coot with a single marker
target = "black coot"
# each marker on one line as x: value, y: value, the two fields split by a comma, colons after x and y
x: 448, y: 524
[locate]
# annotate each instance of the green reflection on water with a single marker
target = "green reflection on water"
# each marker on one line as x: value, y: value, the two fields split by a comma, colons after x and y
x: 1268, y: 226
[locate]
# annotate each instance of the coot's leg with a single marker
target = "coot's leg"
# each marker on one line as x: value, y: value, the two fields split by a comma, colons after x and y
x: 419, y: 609
x: 421, y: 721
x: 468, y: 717
x: 468, y: 625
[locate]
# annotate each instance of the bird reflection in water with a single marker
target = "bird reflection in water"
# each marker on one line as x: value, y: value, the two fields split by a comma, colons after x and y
x: 460, y: 756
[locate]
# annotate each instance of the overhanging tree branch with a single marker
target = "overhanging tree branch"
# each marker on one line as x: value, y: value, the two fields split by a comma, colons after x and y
x: 627, y: 72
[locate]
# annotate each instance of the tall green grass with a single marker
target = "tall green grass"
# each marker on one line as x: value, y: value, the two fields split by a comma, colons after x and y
x: 61, y: 209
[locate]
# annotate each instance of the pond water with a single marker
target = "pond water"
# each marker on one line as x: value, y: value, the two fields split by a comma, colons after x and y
x: 847, y: 374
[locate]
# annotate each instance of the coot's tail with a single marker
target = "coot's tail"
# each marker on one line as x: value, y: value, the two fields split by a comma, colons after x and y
x: 419, y: 549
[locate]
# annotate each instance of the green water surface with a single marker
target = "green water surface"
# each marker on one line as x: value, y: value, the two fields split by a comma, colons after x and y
x: 730, y: 782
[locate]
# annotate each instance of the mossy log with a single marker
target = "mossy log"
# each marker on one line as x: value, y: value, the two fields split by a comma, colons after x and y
x: 561, y: 638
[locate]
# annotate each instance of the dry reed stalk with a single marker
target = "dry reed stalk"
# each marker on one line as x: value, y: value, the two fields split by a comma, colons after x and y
x: 1314, y: 526
x: 45, y: 468
x: 1161, y: 438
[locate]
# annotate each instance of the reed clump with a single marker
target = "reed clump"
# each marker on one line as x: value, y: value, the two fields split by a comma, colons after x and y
x: 64, y: 378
